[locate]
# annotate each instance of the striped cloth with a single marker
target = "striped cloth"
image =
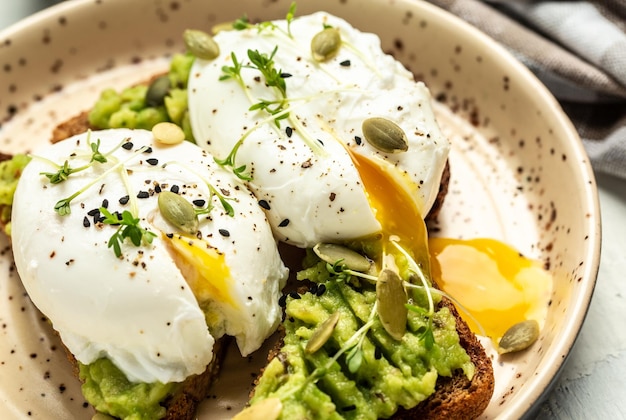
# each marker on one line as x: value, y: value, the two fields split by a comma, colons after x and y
x: 578, y: 49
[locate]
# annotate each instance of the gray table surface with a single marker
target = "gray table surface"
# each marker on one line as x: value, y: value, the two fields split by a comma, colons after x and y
x: 592, y: 384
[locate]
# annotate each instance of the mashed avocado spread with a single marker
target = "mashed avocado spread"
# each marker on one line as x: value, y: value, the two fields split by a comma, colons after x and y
x: 388, y: 373
x: 109, y: 391
x: 144, y: 106
x: 10, y: 172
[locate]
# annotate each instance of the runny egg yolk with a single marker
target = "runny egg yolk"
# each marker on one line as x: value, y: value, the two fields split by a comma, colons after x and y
x: 203, y: 267
x: 497, y: 285
x: 394, y: 209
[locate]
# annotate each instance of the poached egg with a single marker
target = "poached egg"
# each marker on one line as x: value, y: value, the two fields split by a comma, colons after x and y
x: 155, y: 310
x: 308, y: 162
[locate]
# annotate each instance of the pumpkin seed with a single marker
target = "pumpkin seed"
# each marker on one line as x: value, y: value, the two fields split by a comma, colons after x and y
x: 178, y: 211
x: 391, y: 299
x: 325, y: 44
x: 201, y: 44
x: 332, y: 253
x: 267, y: 409
x: 519, y: 337
x: 385, y: 135
x: 157, y: 91
x: 168, y: 133
x: 322, y: 333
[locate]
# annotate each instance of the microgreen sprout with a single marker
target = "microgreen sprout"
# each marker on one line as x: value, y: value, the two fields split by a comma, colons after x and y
x: 243, y: 23
x: 128, y: 228
x: 64, y: 171
x: 426, y: 333
x: 354, y: 358
x: 343, y: 273
x: 62, y: 207
x: 240, y: 171
x: 223, y: 201
x: 291, y: 14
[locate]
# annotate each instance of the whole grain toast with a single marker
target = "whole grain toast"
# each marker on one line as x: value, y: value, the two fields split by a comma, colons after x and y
x: 455, y: 397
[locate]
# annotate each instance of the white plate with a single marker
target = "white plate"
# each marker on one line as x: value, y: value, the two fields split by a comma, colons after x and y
x: 519, y: 172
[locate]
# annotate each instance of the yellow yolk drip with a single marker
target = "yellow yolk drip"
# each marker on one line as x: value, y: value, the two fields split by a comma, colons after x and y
x: 489, y: 279
x: 394, y: 209
x: 204, y: 268
x: 492, y: 281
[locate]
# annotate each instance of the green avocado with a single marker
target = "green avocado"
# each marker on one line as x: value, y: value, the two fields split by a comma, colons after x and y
x: 10, y: 172
x: 109, y: 391
x: 131, y: 108
x: 387, y: 374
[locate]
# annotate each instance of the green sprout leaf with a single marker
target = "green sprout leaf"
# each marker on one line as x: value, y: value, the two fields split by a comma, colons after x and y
x: 128, y: 228
x: 354, y: 359
x: 97, y: 156
x: 61, y: 175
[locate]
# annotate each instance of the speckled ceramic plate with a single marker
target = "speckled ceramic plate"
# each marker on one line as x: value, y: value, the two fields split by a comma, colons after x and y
x: 519, y: 171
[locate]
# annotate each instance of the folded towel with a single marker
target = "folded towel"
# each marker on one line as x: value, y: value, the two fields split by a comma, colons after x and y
x: 578, y: 49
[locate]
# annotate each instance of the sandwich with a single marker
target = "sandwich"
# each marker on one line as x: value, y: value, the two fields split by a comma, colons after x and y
x: 321, y: 141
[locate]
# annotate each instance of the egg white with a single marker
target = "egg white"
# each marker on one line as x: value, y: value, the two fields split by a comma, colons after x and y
x: 317, y: 196
x: 138, y: 310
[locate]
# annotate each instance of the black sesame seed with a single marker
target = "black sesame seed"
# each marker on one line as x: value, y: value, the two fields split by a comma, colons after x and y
x: 157, y: 189
x: 357, y: 139
x: 153, y: 161
x: 320, y: 142
x: 105, y: 203
x: 175, y: 189
x: 148, y: 150
x: 321, y: 289
x: 285, y: 75
x: 199, y: 203
x: 294, y: 295
x: 224, y: 233
x: 128, y: 145
x: 284, y: 223
x: 345, y: 63
x: 86, y: 222
x: 313, y: 288
x: 169, y: 235
x: 264, y: 204
x: 282, y: 301
x: 124, y: 200
x: 378, y: 353
x: 289, y: 131
x: 94, y: 212
x: 143, y: 194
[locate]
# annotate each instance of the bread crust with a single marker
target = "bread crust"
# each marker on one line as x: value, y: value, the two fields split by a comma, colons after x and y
x: 184, y: 403
x: 457, y: 397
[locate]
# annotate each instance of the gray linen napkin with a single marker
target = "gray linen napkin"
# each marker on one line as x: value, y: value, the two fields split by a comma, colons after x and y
x: 578, y: 49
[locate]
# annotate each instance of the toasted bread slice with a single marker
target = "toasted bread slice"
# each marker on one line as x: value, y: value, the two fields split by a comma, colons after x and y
x: 455, y: 397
